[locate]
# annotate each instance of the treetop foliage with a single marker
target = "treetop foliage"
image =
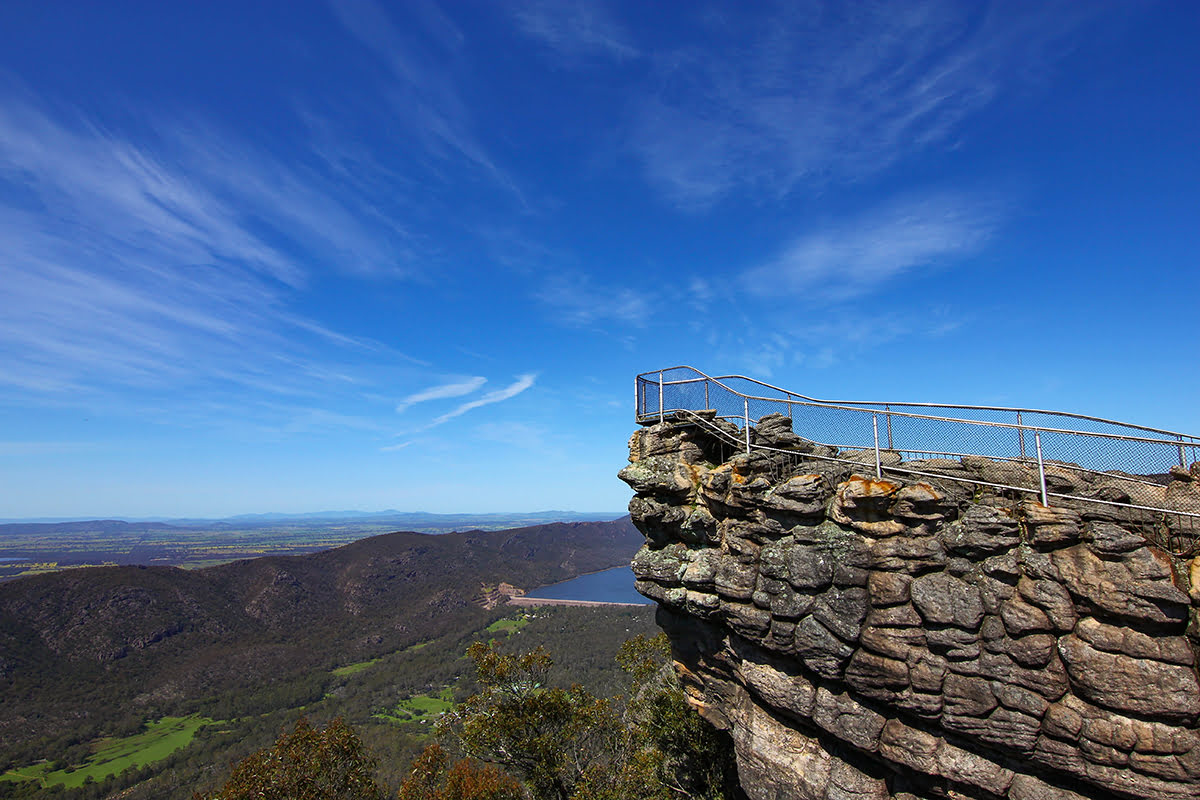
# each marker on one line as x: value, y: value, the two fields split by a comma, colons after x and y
x: 567, y: 744
x: 520, y: 737
x: 432, y: 778
x: 306, y: 764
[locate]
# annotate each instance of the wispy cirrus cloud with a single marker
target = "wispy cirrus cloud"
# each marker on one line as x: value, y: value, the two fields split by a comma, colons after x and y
x: 522, y: 383
x: 442, y: 392
x: 516, y: 434
x: 810, y: 94
x: 853, y: 257
x: 777, y: 343
x: 424, y: 96
x: 574, y: 28
x: 577, y: 300
x: 563, y: 284
x: 169, y: 259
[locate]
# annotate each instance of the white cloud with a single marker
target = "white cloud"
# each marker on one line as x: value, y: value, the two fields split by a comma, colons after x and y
x: 522, y: 383
x: 391, y: 448
x: 441, y: 392
x: 700, y: 293
x: 854, y: 257
x: 574, y: 28
x: 167, y: 262
x: 802, y: 342
x: 576, y: 300
x: 423, y: 95
x: 806, y: 96
x: 516, y: 434
x: 559, y: 282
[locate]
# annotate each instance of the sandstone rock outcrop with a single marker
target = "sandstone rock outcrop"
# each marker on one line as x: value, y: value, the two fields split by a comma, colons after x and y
x: 873, y: 638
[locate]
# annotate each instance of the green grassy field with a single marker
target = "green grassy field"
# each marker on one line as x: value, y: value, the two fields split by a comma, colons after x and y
x: 113, y: 756
x: 352, y: 669
x: 508, y: 625
x: 420, y: 708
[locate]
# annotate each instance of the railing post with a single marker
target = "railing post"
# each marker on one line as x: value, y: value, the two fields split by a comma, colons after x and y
x: 746, y: 419
x: 706, y: 401
x: 875, y: 425
x: 789, y: 402
x: 1037, y: 439
x: 660, y: 396
x: 1182, y: 458
x: 1021, y: 435
x: 888, y: 410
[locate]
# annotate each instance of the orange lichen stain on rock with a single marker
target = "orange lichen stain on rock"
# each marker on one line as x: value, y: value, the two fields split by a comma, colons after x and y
x: 863, y: 503
x: 862, y: 486
x: 689, y: 680
x: 1168, y: 566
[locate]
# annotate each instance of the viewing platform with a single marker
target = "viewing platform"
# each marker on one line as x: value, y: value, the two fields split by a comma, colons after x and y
x: 1101, y: 467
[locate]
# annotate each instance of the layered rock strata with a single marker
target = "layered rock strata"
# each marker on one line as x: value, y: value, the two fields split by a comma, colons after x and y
x: 867, y: 638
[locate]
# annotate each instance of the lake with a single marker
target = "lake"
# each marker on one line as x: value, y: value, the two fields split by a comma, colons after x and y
x: 610, y: 586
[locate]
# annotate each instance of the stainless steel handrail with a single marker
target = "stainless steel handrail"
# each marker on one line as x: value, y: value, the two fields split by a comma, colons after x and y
x: 1044, y: 442
x: 795, y: 398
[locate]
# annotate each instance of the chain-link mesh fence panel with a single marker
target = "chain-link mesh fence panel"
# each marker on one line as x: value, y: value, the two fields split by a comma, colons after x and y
x: 923, y: 429
x: 1071, y: 457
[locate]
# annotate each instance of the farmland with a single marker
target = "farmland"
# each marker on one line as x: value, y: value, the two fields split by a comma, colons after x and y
x: 114, y: 756
x: 421, y: 708
x: 190, y: 548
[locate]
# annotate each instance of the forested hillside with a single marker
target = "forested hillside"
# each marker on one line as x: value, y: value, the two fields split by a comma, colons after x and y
x: 354, y: 631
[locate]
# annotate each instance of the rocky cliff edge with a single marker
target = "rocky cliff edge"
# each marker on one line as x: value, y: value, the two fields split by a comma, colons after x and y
x: 879, y: 638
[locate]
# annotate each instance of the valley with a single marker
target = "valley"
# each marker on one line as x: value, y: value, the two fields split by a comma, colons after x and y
x: 152, y: 680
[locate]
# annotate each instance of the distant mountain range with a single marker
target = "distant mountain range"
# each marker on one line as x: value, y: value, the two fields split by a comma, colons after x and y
x: 114, y: 526
x: 402, y: 518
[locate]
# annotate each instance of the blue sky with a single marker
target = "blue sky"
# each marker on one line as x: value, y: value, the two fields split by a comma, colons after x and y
x: 291, y: 256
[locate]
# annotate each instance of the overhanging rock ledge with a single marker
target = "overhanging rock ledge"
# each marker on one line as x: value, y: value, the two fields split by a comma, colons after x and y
x: 869, y: 638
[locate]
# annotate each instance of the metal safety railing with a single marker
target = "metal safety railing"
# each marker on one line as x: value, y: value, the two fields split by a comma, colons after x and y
x: 1051, y: 453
